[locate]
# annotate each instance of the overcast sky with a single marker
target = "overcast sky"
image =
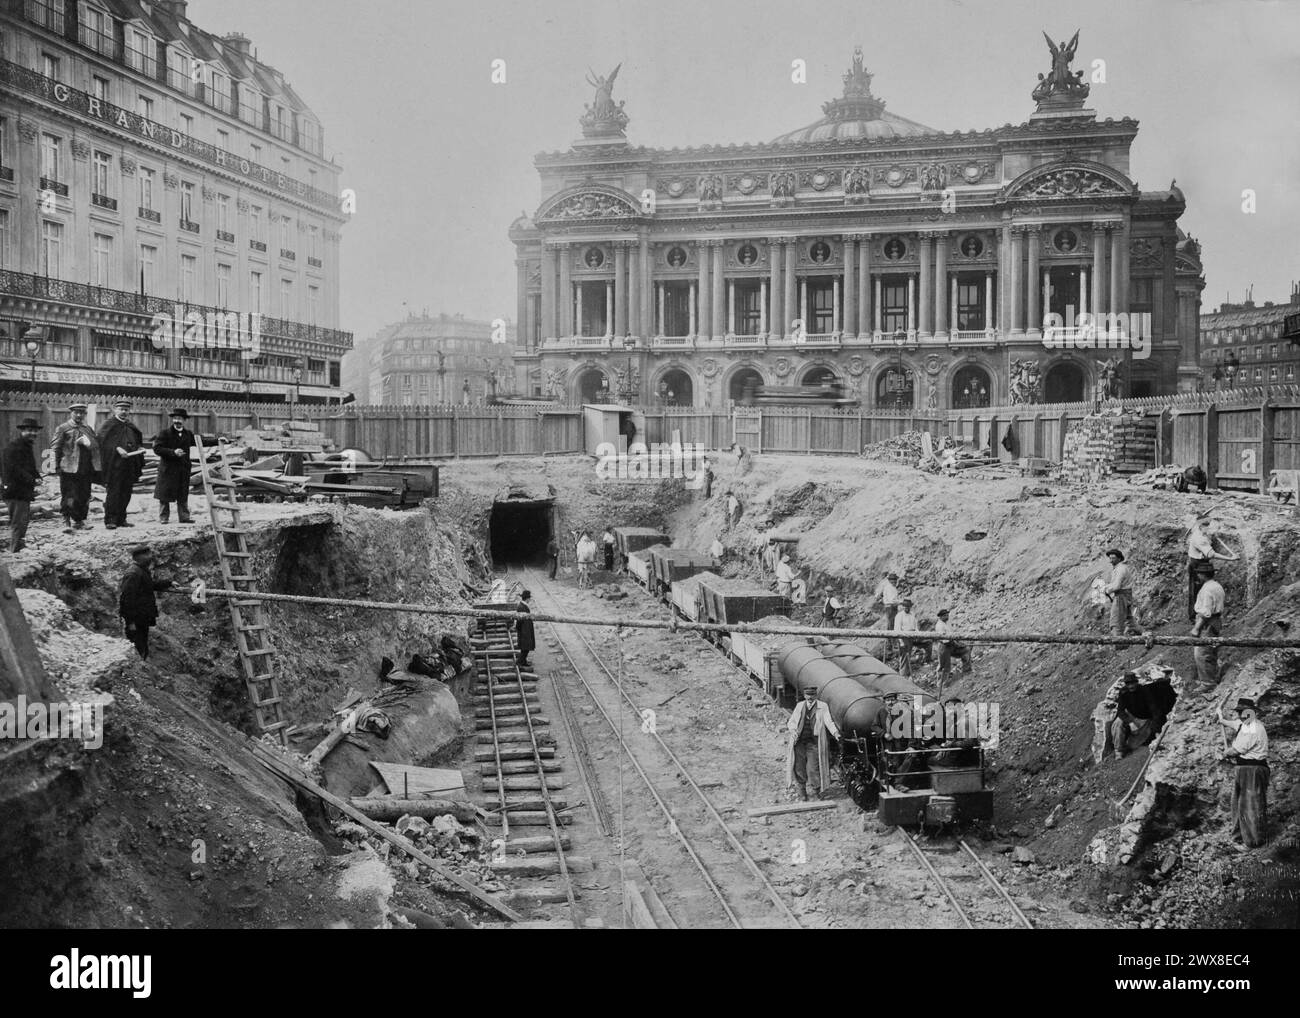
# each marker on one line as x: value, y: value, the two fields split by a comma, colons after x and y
x: 441, y: 158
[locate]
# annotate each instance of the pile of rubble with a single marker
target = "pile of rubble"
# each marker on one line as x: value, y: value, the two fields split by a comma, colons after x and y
x: 906, y: 446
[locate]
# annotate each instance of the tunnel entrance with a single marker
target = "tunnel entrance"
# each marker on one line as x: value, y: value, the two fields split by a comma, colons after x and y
x: 518, y: 529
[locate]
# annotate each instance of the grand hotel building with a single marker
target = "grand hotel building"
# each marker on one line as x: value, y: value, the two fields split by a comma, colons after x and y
x: 912, y: 265
x: 148, y: 166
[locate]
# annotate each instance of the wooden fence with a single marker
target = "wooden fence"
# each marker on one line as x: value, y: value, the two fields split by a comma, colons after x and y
x: 1237, y: 436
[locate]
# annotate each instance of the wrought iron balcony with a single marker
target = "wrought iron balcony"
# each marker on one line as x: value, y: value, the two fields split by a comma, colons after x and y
x: 315, y: 263
x: 49, y: 184
x: 287, y: 255
x: 257, y: 245
x: 152, y: 215
x: 6, y: 173
x: 225, y: 236
x: 104, y: 201
x: 26, y: 286
x: 189, y: 227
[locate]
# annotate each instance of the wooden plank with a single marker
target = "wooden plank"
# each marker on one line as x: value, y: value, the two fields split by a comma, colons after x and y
x: 21, y: 671
x: 793, y: 807
x: 403, y: 779
x: 541, y: 865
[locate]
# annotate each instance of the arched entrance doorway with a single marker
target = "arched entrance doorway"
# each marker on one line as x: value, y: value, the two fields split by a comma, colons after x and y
x: 971, y: 387
x: 819, y: 374
x: 592, y: 387
x: 1063, y: 383
x: 675, y: 389
x: 896, y: 389
x: 744, y: 383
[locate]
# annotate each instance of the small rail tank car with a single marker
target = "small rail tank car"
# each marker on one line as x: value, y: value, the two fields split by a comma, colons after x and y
x: 900, y: 751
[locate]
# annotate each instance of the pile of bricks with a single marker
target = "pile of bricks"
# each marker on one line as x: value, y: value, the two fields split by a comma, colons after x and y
x: 1105, y: 444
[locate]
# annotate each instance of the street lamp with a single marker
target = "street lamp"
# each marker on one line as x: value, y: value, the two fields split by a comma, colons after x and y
x: 297, y: 387
x: 33, y: 348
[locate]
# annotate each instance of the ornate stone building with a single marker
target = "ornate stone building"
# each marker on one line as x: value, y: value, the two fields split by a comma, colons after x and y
x: 916, y: 267
x: 1244, y: 344
x: 152, y: 172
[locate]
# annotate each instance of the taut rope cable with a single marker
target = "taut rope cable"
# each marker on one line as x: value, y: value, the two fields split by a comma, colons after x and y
x: 1095, y: 639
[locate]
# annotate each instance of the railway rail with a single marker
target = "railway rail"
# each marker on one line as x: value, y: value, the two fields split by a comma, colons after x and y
x: 733, y: 888
x: 986, y: 876
x: 515, y: 755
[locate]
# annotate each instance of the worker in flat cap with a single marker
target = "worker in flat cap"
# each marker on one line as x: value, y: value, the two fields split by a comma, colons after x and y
x: 22, y: 476
x: 77, y: 461
x: 1120, y: 591
x: 905, y: 622
x: 173, y: 445
x: 949, y: 649
x: 784, y: 576
x: 1249, y: 756
x: 122, y: 450
x: 135, y: 598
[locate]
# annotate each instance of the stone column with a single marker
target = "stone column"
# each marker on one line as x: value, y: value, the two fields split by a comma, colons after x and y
x: 989, y: 322
x: 691, y: 313
x: 850, y: 325
x: 1017, y: 280
x: 835, y: 306
x: 611, y: 308
x: 659, y: 324
x: 719, y: 310
x: 620, y: 289
x: 1033, y: 316
x: 1046, y: 283
x: 566, y: 290
x: 703, y: 316
x: 521, y: 301
x: 776, y: 315
x: 1117, y: 240
x: 530, y: 323
x: 549, y: 330
x: 1098, y: 302
x: 864, y: 287
x: 789, y: 279
x: 1084, y: 306
x: 731, y: 307
x: 578, y: 320
x: 803, y: 305
x: 956, y: 321
x: 645, y: 314
x: 762, y: 308
x: 1004, y: 282
x: 879, y: 308
x: 1124, y: 274
x: 941, y: 286
x: 926, y: 327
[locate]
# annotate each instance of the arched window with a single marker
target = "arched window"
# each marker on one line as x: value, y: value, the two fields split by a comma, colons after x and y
x: 1063, y: 383
x: 971, y: 387
x: 675, y: 389
x: 744, y: 383
x: 592, y: 386
x: 896, y: 389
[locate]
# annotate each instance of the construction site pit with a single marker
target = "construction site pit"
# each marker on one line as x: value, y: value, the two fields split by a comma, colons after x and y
x: 642, y: 771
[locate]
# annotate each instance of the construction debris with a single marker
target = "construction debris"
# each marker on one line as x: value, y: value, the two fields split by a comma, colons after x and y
x: 1108, y: 443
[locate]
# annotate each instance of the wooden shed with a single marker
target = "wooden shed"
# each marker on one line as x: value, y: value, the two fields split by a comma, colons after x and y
x: 607, y: 424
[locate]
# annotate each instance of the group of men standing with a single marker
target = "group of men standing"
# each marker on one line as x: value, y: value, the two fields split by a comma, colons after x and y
x: 900, y: 618
x: 113, y: 456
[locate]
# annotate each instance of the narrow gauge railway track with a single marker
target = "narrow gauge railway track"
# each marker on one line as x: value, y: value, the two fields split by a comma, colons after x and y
x: 735, y: 888
x: 516, y: 757
x: 987, y: 878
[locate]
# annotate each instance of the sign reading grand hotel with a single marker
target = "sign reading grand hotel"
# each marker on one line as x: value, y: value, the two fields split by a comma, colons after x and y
x: 150, y: 130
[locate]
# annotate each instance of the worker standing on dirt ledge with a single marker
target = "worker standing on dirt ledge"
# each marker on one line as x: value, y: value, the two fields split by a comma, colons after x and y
x: 21, y: 476
x: 173, y: 447
x: 1209, y: 622
x: 1120, y: 591
x: 76, y: 458
x: 122, y: 448
x: 607, y: 539
x: 887, y: 595
x: 808, y: 761
x: 524, y: 630
x: 1200, y: 563
x: 135, y: 599
x: 1249, y: 755
x: 784, y: 576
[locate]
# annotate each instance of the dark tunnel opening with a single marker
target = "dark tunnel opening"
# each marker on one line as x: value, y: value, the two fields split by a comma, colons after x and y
x: 519, y: 529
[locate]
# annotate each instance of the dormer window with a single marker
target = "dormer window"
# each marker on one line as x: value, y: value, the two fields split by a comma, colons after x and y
x: 140, y: 51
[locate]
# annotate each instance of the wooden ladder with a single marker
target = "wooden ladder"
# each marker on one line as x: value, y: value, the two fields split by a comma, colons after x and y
x: 252, y: 633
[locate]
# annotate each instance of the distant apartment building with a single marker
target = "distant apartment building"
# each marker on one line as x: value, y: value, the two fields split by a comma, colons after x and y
x: 433, y: 359
x: 1249, y: 344
x: 169, y: 223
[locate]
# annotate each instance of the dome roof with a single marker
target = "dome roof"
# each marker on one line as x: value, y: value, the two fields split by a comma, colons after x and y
x: 856, y: 116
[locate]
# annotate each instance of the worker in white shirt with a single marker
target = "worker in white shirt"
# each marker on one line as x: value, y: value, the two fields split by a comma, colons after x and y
x: 949, y: 649
x: 1209, y: 622
x: 586, y: 556
x: 808, y: 760
x: 733, y: 508
x: 1249, y: 756
x: 887, y: 595
x: 717, y: 550
x: 1120, y: 591
x: 784, y: 576
x: 1200, y: 563
x: 905, y: 622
